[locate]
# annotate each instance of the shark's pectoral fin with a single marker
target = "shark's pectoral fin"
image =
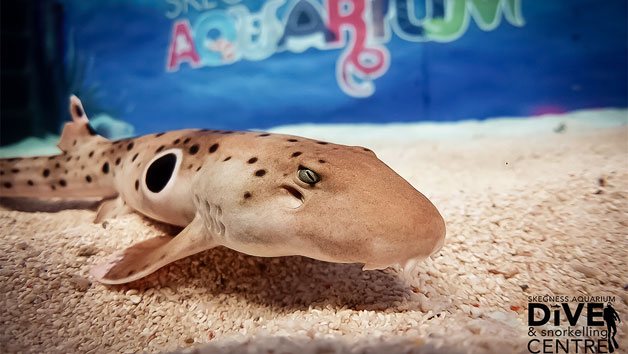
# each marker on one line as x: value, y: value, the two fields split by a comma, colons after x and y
x: 146, y: 257
x: 110, y: 209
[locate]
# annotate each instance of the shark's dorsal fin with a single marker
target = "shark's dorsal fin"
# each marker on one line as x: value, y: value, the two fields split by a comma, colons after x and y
x: 78, y: 131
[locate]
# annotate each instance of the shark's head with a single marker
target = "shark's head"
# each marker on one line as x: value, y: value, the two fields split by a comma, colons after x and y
x: 287, y: 195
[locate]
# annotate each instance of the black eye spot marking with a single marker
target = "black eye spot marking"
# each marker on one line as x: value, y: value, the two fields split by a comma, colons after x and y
x: 187, y: 140
x: 46, y: 172
x: 159, y: 134
x: 130, y: 146
x: 321, y: 161
x: 213, y: 148
x: 91, y: 130
x: 193, y: 149
x: 265, y: 134
x: 176, y: 141
x: 247, y: 195
x: 160, y: 148
x: 105, y: 168
x: 78, y: 111
x: 296, y: 154
x: 137, y: 184
x: 15, y: 170
x: 252, y: 160
x: 260, y: 173
x: 292, y: 140
x: 63, y: 183
x: 322, y: 143
x: 57, y: 165
x: 88, y: 178
x: 30, y: 183
x: 227, y: 159
x: 117, y: 161
x: 160, y: 172
x: 91, y: 154
x: 134, y: 157
x: 7, y: 185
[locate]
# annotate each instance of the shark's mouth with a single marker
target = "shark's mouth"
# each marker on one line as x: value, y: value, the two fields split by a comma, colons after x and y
x: 297, y: 199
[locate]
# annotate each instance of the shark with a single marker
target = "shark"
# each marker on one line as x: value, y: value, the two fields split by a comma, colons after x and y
x: 259, y: 193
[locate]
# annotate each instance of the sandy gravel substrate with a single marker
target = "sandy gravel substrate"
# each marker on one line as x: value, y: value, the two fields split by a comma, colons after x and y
x: 529, y: 215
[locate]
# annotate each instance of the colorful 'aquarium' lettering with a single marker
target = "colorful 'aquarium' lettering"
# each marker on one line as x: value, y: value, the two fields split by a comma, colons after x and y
x: 224, y: 36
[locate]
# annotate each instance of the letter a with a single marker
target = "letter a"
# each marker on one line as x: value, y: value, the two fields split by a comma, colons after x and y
x: 182, y: 47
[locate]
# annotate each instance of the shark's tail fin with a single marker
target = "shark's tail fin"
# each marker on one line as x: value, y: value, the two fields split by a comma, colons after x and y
x: 78, y: 131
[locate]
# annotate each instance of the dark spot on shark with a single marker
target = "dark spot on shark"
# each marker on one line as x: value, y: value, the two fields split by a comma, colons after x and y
x: 187, y: 140
x: 130, y: 272
x: 163, y: 256
x: 227, y: 132
x: 68, y: 159
x: 247, y: 195
x: 252, y: 160
x: 199, y: 168
x: 91, y: 154
x: 7, y: 185
x: 57, y: 165
x: 112, y: 151
x: 292, y: 140
x: 137, y: 184
x: 117, y: 161
x: 30, y: 183
x: 262, y: 135
x: 160, y: 148
x: 176, y: 141
x: 88, y: 178
x: 296, y: 154
x: 365, y: 149
x: 15, y: 170
x: 159, y: 134
x: 159, y: 172
x: 53, y: 187
x: 74, y: 143
x: 1, y: 173
x: 213, y: 148
x: 322, y: 143
x: 65, y: 172
x: 117, y: 142
x: 134, y: 157
x: 130, y: 146
x: 63, y: 183
x: 16, y: 159
x: 193, y: 149
x: 105, y: 168
x: 321, y: 161
x: 46, y: 172
x: 190, y: 166
x: 227, y: 159
x: 260, y: 173
x: 78, y: 111
x: 50, y: 158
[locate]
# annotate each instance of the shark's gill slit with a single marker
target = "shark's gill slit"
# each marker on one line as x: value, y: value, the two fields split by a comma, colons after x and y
x: 295, y: 193
x: 160, y: 172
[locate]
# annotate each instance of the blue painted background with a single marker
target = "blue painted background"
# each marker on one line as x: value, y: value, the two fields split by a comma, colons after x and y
x: 568, y: 55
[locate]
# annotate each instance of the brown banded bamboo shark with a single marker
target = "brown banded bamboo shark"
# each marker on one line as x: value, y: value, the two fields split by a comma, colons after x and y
x: 258, y: 193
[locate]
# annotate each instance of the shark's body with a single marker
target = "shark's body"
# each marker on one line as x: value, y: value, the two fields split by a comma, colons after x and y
x: 258, y: 193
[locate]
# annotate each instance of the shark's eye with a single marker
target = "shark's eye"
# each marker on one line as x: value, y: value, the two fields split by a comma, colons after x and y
x: 308, y: 176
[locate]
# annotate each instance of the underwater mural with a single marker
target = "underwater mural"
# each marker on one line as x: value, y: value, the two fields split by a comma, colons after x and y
x: 221, y: 37
x: 244, y: 64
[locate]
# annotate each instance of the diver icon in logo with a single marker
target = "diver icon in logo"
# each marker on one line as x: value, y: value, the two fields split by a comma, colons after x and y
x: 609, y: 317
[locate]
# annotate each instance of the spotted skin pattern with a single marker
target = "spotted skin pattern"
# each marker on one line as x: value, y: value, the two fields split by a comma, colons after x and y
x: 259, y: 193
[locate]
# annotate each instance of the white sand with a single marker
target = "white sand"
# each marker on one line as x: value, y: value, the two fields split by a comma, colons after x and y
x: 530, y: 214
